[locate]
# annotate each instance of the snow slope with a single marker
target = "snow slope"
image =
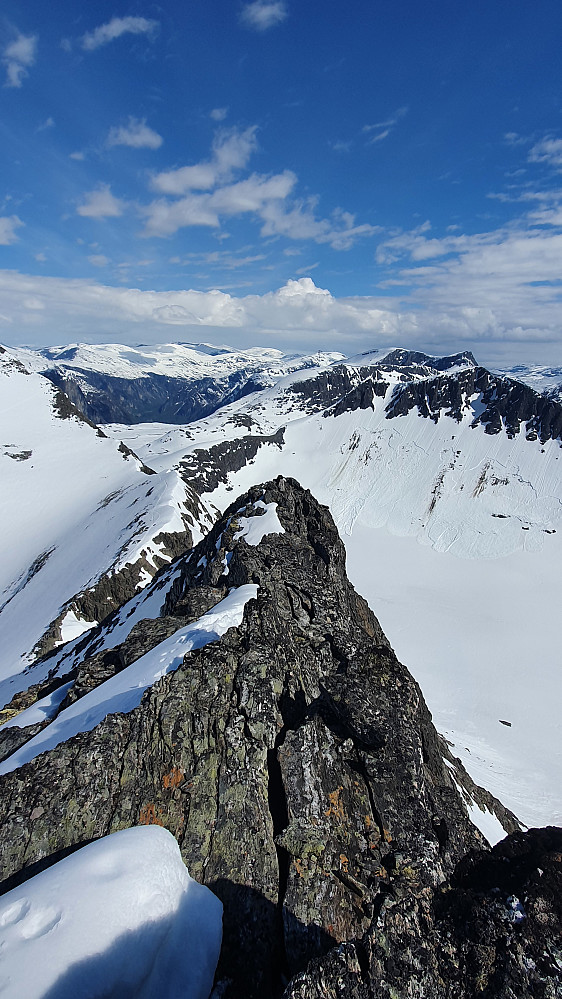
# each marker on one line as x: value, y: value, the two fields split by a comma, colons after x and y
x: 72, y: 506
x: 453, y: 536
x: 120, y: 916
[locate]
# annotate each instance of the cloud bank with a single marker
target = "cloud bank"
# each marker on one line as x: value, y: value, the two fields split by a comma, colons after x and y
x: 299, y: 315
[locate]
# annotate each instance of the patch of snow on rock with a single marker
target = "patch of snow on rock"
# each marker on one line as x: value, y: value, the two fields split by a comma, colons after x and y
x: 123, y: 692
x: 253, y: 529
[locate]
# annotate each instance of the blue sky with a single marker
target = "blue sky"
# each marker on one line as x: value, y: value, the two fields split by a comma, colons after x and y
x: 295, y: 174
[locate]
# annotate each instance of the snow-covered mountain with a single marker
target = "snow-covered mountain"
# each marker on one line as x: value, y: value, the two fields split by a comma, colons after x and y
x: 172, y: 383
x: 443, y: 478
x: 445, y: 481
x: 242, y: 694
x: 85, y: 522
x: 539, y: 376
x: 260, y: 716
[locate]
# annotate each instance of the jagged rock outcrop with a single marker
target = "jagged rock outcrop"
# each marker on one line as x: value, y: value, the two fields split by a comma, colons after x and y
x: 297, y: 765
x: 493, y: 930
x: 503, y: 403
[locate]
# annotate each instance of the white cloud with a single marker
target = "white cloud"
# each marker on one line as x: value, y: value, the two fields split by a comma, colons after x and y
x: 218, y: 114
x: 502, y: 286
x: 101, y: 203
x: 17, y: 57
x: 40, y: 257
x: 263, y: 14
x: 8, y: 226
x: 98, y: 260
x: 380, y: 136
x: 264, y: 197
x: 384, y: 128
x: 136, y: 134
x: 117, y: 27
x: 455, y: 309
x: 48, y: 123
x: 70, y: 307
x: 547, y: 151
x: 231, y: 151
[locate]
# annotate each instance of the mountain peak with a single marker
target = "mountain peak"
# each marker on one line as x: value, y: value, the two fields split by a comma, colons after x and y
x: 291, y: 755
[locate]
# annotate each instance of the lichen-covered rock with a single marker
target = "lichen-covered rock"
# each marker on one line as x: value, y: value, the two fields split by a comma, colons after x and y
x: 297, y: 765
x: 493, y: 930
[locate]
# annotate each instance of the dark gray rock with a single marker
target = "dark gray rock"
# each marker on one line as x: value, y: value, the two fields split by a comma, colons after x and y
x: 505, y: 404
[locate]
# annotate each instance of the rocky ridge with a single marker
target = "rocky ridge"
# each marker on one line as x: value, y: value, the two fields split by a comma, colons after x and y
x: 297, y: 765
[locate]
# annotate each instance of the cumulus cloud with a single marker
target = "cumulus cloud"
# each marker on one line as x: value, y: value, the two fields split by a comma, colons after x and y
x: 136, y: 134
x: 17, y: 57
x: 98, y: 260
x: 117, y: 27
x: 263, y: 14
x: 8, y: 226
x: 101, y: 204
x: 218, y: 114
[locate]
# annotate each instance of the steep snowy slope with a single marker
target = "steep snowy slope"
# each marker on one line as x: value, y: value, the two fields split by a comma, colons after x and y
x: 446, y: 485
x: 74, y: 506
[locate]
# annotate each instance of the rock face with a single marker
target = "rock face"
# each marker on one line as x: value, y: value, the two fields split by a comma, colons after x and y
x: 296, y: 763
x: 153, y: 398
x: 504, y: 402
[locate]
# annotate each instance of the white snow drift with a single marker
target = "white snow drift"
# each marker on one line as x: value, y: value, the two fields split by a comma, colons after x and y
x: 120, y: 917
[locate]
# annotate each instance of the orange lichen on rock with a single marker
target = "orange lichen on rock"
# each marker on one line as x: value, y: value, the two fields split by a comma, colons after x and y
x: 335, y: 811
x: 150, y: 815
x: 173, y: 779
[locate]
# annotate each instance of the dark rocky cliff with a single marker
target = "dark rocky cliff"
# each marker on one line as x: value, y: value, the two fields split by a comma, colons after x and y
x: 154, y: 398
x: 297, y: 765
